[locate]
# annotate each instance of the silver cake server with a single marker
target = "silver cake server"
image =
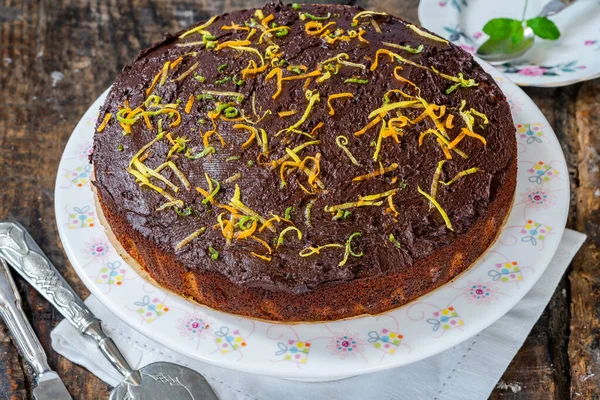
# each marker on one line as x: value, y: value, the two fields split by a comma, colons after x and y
x: 49, y: 386
x: 159, y: 380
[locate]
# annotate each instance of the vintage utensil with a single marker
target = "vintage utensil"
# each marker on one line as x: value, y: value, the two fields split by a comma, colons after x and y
x: 159, y: 380
x: 49, y: 384
x: 499, y: 51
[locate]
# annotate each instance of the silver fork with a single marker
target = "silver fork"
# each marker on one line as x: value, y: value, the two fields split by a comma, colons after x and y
x: 49, y: 384
x: 160, y: 380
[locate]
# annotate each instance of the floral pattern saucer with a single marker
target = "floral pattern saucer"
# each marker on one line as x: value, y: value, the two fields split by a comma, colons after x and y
x: 574, y: 57
x: 334, y: 350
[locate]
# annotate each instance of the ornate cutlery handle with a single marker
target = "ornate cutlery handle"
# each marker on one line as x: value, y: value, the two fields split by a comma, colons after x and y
x: 15, y: 319
x: 21, y: 251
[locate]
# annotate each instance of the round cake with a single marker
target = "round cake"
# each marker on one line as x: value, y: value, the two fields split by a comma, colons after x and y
x: 304, y: 162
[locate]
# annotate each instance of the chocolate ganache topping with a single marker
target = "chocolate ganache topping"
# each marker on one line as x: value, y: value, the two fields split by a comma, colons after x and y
x: 292, y: 146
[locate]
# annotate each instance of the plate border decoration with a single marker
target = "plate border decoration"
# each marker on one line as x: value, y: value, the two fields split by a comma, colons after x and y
x: 444, y: 18
x: 333, y: 350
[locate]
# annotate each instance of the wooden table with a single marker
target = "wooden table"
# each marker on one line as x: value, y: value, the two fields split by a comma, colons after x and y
x: 57, y: 56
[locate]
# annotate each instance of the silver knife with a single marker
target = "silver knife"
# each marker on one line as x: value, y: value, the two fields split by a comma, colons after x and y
x: 49, y: 384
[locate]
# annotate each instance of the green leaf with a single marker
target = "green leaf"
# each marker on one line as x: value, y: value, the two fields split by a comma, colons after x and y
x: 516, y: 36
x: 544, y: 28
x: 501, y: 28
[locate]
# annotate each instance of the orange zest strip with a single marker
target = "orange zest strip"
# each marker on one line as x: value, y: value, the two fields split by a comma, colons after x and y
x: 186, y: 73
x: 248, y: 232
x: 309, y: 75
x: 266, y: 20
x: 253, y: 134
x: 104, y: 122
x: 234, y: 27
x: 403, y: 79
x: 307, y: 84
x: 275, y: 72
x: 361, y: 33
x: 190, y: 103
x: 375, y: 173
x: 392, y: 56
x: 252, y: 69
x: 164, y: 73
x: 445, y: 149
x: 266, y: 258
x: 199, y: 28
x: 268, y: 32
x: 147, y: 120
x: 460, y: 175
x: 231, y: 43
x: 432, y: 131
x: 315, y: 28
x: 316, y: 128
x: 369, y: 126
x: 169, y: 111
x: 377, y: 54
x: 466, y: 132
x: 176, y: 62
x: 287, y: 113
x: 337, y: 96
x: 259, y: 240
x: 392, y: 206
x: 154, y: 82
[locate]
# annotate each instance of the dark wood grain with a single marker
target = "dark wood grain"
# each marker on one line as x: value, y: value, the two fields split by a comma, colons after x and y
x: 57, y: 56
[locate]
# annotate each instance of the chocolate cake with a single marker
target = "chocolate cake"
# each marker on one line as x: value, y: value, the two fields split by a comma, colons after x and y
x: 304, y: 162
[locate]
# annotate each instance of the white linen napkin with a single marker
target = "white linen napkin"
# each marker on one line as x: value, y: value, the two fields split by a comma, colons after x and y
x: 468, y: 371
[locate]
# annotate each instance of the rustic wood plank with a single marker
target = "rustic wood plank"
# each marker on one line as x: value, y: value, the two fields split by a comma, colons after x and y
x: 584, y: 343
